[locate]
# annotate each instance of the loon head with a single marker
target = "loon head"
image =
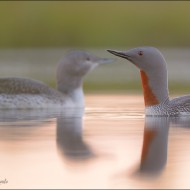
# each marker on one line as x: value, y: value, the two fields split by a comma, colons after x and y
x: 79, y: 63
x: 145, y: 58
x: 72, y: 69
x: 153, y: 70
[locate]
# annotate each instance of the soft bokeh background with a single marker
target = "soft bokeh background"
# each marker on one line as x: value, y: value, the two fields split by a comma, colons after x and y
x: 35, y: 35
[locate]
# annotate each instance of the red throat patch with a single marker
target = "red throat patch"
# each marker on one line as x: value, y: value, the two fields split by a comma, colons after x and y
x: 149, y: 98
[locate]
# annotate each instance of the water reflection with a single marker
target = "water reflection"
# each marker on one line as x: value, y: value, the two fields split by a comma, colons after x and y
x: 70, y: 136
x: 181, y: 122
x: 155, y: 141
x: 69, y: 129
x: 129, y: 149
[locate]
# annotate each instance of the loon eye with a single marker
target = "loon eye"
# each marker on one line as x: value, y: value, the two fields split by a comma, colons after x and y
x: 88, y: 58
x: 140, y: 53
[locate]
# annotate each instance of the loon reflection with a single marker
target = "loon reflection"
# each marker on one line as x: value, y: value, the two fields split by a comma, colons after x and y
x: 69, y: 129
x: 69, y: 140
x: 155, y: 142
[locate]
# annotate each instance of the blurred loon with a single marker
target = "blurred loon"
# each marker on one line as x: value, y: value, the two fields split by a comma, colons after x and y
x: 153, y: 70
x: 21, y: 93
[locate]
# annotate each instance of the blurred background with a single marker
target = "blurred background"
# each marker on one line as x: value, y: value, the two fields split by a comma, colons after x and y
x: 35, y: 35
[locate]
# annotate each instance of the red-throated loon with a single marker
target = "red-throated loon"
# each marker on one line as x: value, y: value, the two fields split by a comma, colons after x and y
x: 153, y: 70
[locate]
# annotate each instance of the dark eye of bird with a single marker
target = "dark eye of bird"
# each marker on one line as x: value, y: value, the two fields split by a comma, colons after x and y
x: 88, y: 59
x: 140, y: 53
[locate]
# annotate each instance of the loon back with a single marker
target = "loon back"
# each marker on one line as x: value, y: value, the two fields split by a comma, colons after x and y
x: 23, y: 93
x: 13, y: 86
x: 181, y: 103
x: 175, y: 107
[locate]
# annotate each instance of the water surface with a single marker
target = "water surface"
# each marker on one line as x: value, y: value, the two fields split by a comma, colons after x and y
x: 110, y: 144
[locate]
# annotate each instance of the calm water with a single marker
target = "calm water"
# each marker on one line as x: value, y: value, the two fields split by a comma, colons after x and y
x: 111, y: 145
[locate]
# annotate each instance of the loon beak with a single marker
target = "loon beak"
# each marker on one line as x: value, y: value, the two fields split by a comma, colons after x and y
x: 119, y: 54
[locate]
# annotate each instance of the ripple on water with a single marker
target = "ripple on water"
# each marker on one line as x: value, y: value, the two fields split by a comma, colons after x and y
x: 113, y: 114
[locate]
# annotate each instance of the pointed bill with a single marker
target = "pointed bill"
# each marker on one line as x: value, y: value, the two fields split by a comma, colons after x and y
x: 119, y: 54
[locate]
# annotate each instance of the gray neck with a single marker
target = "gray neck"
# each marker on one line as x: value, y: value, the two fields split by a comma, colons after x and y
x: 159, y: 84
x: 71, y: 87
